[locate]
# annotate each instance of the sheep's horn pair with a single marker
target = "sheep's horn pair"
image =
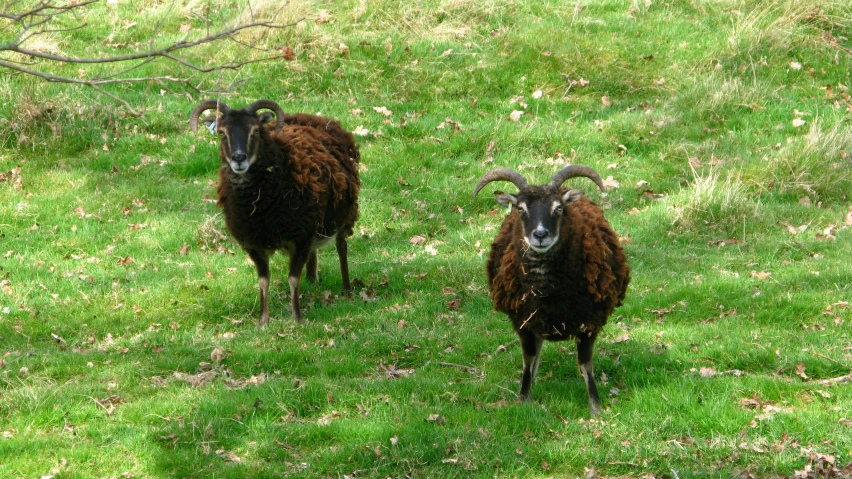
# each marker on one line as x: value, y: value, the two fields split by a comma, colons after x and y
x: 570, y: 171
x: 270, y: 105
x: 202, y: 107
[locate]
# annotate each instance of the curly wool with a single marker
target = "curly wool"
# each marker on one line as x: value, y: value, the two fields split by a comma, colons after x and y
x: 303, y: 184
x: 567, y: 291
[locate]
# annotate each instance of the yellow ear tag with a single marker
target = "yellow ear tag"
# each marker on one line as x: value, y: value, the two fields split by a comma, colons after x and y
x: 509, y: 208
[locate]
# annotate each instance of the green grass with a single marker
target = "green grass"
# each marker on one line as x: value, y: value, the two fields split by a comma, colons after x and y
x: 739, y: 247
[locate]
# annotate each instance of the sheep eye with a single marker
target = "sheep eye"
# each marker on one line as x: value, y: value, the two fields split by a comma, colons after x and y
x: 558, y: 211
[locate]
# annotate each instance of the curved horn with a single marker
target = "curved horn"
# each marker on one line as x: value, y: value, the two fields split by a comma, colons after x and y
x: 202, y: 107
x: 572, y: 171
x: 501, y: 174
x: 271, y: 105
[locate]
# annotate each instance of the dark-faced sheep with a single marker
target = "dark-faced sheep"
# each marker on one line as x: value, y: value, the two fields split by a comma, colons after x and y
x: 289, y: 186
x: 556, y: 268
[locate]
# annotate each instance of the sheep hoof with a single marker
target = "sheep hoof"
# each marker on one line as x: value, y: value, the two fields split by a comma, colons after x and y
x: 595, y: 410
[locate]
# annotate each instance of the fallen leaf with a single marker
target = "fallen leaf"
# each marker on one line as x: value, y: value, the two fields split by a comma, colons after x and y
x: 196, y: 380
x: 537, y: 94
x: 797, y: 122
x: 611, y: 183
x: 361, y: 131
x: 217, y: 355
x: 382, y: 110
x: 228, y: 456
x: 343, y: 49
x: 185, y: 27
x: 436, y: 418
x: 605, y: 101
x: 515, y: 115
x: 707, y: 372
x: 794, y: 230
x: 368, y: 295
x: 417, y: 239
x: 800, y: 371
x: 795, y: 65
x: 454, y: 304
x: 761, y: 275
x: 749, y: 403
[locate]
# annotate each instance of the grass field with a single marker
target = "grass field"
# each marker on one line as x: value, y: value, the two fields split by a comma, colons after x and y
x: 724, y: 129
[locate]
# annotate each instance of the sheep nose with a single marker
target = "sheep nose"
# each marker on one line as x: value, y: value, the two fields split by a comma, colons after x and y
x: 540, y: 233
x: 238, y: 157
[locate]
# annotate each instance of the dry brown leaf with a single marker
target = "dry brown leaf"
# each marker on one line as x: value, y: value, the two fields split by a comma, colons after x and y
x: 760, y: 275
x: 611, y: 183
x: 361, y: 131
x: 515, y: 115
x: 800, y: 371
x: 217, y: 355
x: 436, y: 418
x: 288, y: 53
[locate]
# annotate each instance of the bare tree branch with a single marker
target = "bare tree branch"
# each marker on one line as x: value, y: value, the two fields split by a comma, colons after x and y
x: 33, y: 21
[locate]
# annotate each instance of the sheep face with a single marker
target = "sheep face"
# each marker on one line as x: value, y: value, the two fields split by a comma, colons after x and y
x: 240, y: 130
x: 541, y: 209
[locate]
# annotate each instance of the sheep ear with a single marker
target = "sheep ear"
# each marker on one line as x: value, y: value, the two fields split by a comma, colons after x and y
x: 208, y: 120
x: 506, y: 200
x: 266, y: 117
x: 571, y: 196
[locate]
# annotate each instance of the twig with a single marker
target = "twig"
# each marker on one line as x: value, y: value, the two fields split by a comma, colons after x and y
x: 469, y: 369
x: 833, y: 381
x: 40, y: 17
x: 830, y: 359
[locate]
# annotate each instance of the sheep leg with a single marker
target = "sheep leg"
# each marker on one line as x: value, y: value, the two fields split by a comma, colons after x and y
x: 261, y: 262
x: 297, y: 263
x: 342, y: 249
x: 585, y: 343
x: 312, y: 266
x: 531, y: 347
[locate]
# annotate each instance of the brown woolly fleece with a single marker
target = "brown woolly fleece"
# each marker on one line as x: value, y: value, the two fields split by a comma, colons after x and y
x: 304, y: 184
x: 569, y: 290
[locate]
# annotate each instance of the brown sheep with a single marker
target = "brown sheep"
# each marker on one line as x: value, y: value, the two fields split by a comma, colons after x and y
x: 556, y: 268
x: 289, y: 186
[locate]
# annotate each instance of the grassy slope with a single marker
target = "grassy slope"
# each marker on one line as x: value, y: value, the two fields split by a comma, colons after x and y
x: 103, y: 309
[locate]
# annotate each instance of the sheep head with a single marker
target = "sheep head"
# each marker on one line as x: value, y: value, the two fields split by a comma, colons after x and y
x: 239, y: 130
x: 540, y: 207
